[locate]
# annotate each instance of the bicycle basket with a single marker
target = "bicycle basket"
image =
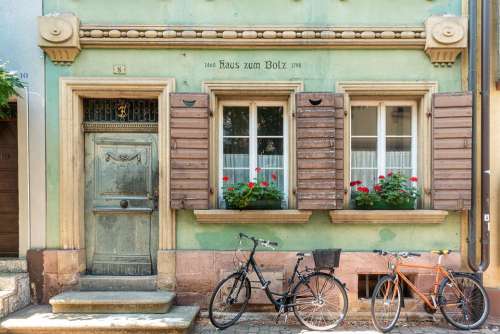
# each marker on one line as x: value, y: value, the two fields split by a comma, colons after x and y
x: 326, y: 258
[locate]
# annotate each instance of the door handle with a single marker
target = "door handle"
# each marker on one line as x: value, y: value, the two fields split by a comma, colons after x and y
x: 155, y: 198
x: 124, y: 204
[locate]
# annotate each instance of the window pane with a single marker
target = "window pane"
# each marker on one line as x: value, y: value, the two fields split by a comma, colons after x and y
x: 364, y: 121
x: 235, y: 152
x: 235, y: 122
x: 363, y: 152
x: 403, y: 171
x: 236, y: 175
x: 279, y: 181
x: 398, y: 121
x: 398, y: 153
x: 270, y: 152
x: 368, y: 176
x: 269, y: 121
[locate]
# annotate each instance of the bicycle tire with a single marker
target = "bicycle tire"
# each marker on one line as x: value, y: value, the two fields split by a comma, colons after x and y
x: 324, y: 303
x: 214, y: 314
x: 478, y: 302
x: 390, y: 285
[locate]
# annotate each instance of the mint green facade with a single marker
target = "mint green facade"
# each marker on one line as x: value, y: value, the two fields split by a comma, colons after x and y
x: 319, y: 70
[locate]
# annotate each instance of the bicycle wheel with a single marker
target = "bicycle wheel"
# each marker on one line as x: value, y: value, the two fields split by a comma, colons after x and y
x: 229, y: 300
x: 320, y: 302
x: 463, y: 301
x: 386, y: 304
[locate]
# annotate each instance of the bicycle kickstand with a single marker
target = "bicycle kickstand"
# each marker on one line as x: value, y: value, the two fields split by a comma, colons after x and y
x: 282, y: 311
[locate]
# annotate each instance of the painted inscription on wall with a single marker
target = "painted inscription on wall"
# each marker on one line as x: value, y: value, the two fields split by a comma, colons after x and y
x: 277, y: 65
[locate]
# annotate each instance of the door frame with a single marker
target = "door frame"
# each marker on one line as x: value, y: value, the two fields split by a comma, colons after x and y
x: 72, y: 154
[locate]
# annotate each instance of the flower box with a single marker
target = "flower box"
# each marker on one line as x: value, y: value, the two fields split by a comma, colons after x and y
x: 261, y: 204
x: 392, y: 192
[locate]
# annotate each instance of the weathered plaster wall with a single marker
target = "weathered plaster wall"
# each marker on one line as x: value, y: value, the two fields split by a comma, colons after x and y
x: 18, y: 46
x: 319, y: 70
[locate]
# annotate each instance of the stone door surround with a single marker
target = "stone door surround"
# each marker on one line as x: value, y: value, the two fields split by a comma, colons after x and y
x: 72, y: 176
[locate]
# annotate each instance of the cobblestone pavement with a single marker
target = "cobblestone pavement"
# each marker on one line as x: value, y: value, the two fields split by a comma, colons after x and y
x: 203, y: 326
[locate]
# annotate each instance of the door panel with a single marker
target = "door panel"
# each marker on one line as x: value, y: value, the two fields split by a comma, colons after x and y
x: 120, y: 212
x: 9, y: 200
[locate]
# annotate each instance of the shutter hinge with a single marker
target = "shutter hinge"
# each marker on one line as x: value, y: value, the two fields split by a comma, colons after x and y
x: 294, y: 191
x: 211, y: 190
x: 428, y: 114
x: 211, y: 113
x: 293, y: 115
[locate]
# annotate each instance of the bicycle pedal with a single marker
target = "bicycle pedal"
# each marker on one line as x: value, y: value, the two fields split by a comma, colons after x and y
x: 286, y: 317
x: 265, y: 285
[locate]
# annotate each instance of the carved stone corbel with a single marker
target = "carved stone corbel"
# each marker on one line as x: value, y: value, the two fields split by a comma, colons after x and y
x: 446, y: 37
x: 59, y: 37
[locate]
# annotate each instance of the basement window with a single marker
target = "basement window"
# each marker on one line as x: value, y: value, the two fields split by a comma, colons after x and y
x: 367, y: 283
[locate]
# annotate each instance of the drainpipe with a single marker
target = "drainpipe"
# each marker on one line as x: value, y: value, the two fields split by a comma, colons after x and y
x: 485, y: 136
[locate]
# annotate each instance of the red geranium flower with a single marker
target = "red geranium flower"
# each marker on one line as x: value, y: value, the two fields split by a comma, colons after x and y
x: 251, y: 185
x: 258, y: 169
x: 353, y: 183
x: 414, y: 179
x: 381, y: 177
x: 274, y: 176
x: 264, y: 184
x: 230, y: 189
x: 225, y: 178
x: 377, y: 187
x: 389, y: 173
x: 359, y: 183
x: 363, y: 189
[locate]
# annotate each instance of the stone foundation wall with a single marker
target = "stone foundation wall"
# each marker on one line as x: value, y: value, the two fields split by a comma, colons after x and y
x: 198, y: 272
x: 54, y: 271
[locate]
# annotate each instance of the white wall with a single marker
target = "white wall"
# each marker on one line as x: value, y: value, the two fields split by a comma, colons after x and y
x: 18, y: 46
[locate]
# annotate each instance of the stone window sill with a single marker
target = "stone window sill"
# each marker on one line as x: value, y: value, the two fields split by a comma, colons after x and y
x: 252, y: 216
x: 388, y: 216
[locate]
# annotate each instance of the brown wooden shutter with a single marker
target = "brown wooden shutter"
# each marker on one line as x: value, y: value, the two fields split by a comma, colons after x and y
x: 320, y: 151
x: 451, y: 151
x: 189, y: 140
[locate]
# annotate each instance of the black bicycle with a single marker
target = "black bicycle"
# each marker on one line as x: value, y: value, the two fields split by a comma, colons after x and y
x: 318, y: 299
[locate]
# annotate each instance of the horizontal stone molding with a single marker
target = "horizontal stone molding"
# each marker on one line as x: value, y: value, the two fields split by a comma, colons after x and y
x: 251, y: 37
x: 442, y: 37
x: 252, y: 216
x: 388, y: 216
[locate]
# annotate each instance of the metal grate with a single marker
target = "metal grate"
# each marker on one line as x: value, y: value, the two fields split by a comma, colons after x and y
x: 120, y: 110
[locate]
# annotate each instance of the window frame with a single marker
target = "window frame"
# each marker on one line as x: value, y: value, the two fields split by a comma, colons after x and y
x: 253, y: 104
x: 382, y: 135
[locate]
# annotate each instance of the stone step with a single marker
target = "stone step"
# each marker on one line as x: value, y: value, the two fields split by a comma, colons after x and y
x: 117, y: 283
x: 39, y: 319
x: 112, y: 302
x: 14, y: 292
x: 13, y: 265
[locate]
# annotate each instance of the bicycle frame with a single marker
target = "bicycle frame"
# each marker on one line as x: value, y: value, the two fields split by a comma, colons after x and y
x: 282, y: 303
x: 440, y: 273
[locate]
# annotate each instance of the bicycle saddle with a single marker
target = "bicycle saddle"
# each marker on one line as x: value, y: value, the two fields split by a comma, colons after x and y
x: 301, y: 254
x: 441, y: 251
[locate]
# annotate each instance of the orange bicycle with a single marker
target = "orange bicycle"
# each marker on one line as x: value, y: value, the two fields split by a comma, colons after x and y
x: 460, y: 296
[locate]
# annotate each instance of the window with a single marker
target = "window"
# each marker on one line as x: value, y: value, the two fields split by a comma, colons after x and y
x: 383, y: 138
x: 253, y: 134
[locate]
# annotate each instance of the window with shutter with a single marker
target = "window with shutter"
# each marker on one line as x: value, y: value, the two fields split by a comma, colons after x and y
x: 320, y: 151
x: 189, y: 138
x: 451, y: 151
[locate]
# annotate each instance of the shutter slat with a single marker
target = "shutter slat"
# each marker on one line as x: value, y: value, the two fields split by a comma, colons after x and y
x: 319, y: 131
x: 189, y: 140
x: 451, y: 151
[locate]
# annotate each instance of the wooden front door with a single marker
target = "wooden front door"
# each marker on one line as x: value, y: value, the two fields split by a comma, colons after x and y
x: 9, y: 202
x: 121, y: 217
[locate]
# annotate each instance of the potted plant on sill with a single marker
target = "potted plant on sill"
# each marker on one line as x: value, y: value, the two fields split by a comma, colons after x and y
x: 257, y: 195
x: 392, y: 192
x: 9, y: 81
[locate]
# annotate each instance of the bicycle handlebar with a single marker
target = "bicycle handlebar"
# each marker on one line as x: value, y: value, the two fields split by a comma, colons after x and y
x: 397, y: 254
x: 257, y: 241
